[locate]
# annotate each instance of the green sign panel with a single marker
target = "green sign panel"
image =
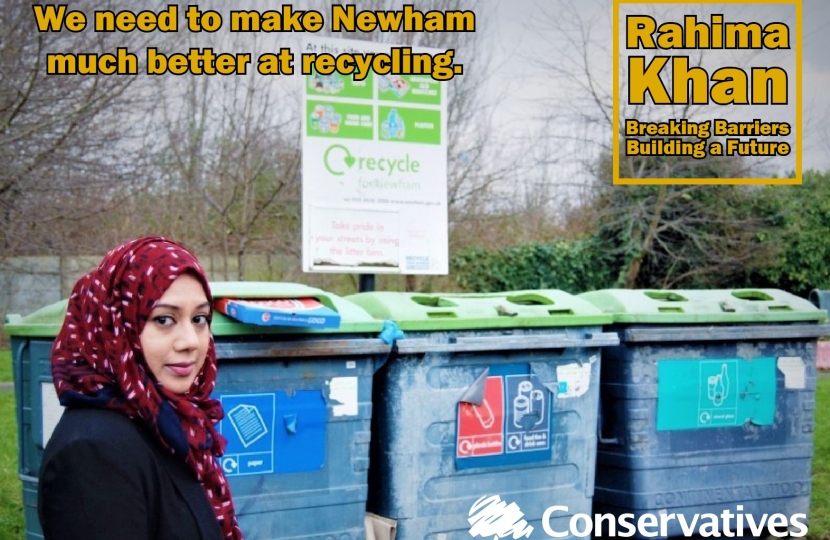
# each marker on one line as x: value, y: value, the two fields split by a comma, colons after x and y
x: 401, y: 124
x: 697, y: 394
x: 339, y: 120
x: 419, y: 89
x: 339, y: 85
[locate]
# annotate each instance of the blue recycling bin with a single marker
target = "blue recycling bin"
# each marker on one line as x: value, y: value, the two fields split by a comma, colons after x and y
x: 36, y: 402
x: 487, y: 395
x: 297, y: 407
x: 707, y: 407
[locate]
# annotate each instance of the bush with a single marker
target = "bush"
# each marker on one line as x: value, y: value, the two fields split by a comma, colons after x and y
x: 569, y: 266
x: 802, y: 235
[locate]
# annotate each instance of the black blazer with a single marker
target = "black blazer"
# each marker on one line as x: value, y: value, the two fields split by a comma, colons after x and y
x: 105, y: 477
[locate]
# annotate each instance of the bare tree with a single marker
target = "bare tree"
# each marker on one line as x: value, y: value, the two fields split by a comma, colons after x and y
x: 70, y: 145
x: 231, y: 151
x: 680, y: 235
x: 214, y: 161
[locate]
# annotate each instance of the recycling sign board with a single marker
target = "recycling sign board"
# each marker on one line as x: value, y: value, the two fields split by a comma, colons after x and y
x: 511, y: 424
x: 276, y: 432
x: 715, y: 392
x: 248, y: 427
x: 374, y: 169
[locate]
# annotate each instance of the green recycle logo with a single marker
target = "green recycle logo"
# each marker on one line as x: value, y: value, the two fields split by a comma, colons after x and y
x: 338, y: 149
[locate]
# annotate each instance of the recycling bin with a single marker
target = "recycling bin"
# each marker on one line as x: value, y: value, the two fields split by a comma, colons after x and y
x: 297, y: 402
x: 36, y: 402
x: 821, y: 299
x: 707, y: 407
x: 486, y: 395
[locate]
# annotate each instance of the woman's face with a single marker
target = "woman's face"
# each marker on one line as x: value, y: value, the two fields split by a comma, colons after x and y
x: 176, y: 337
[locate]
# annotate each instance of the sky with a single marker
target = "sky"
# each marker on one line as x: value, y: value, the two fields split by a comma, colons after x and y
x: 519, y: 37
x: 519, y: 30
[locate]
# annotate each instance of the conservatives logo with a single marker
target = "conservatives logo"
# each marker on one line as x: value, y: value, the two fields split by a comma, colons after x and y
x: 490, y: 516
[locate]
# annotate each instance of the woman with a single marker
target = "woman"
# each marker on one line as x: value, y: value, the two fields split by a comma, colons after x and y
x: 133, y: 456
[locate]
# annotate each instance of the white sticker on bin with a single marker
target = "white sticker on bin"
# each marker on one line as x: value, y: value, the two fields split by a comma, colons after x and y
x: 51, y: 410
x: 793, y: 369
x: 574, y: 379
x: 344, y: 391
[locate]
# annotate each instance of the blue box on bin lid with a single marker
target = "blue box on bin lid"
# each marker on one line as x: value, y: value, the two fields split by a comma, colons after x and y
x: 353, y: 319
x: 305, y: 312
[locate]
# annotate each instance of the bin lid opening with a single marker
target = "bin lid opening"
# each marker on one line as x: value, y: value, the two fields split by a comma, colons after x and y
x: 752, y: 295
x: 666, y: 296
x: 441, y: 315
x: 433, y: 301
x: 529, y: 300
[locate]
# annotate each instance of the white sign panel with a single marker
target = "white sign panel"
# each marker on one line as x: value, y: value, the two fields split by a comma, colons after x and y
x: 374, y: 169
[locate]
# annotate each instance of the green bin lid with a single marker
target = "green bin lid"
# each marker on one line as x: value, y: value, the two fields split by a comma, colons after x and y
x: 721, y: 306
x: 47, y: 321
x: 515, y: 309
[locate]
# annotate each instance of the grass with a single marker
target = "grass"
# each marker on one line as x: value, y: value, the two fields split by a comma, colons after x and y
x: 12, y: 525
x: 820, y: 501
x: 6, y: 366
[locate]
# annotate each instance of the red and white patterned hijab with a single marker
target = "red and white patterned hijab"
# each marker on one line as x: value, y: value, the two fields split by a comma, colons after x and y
x: 97, y: 361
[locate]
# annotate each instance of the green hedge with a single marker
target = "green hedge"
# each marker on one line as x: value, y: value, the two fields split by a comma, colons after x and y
x: 802, y: 236
x: 569, y: 266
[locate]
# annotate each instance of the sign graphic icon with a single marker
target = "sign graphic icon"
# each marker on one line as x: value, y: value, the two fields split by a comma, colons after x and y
x: 528, y: 416
x: 718, y: 386
x: 528, y: 406
x: 485, y: 415
x: 229, y: 465
x: 337, y: 151
x: 718, y: 393
x: 248, y: 424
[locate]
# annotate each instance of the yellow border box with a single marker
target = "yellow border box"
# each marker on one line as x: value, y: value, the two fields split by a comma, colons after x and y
x: 796, y: 41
